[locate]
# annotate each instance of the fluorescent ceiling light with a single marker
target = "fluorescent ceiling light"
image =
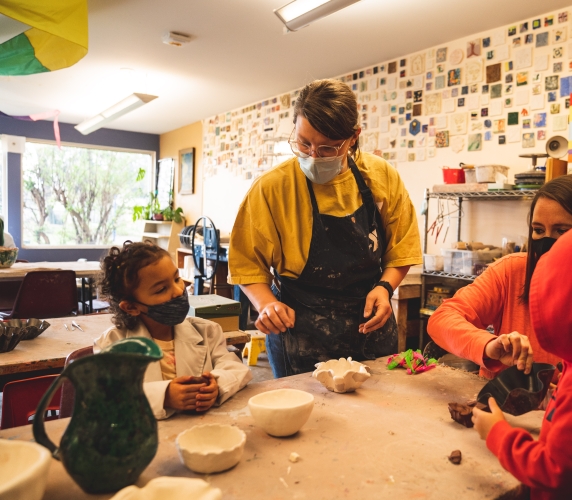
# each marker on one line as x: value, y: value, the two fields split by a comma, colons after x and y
x: 123, y: 107
x: 300, y: 13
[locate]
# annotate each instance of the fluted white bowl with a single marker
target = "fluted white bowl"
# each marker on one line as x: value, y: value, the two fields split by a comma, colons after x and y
x: 341, y: 375
x: 211, y: 447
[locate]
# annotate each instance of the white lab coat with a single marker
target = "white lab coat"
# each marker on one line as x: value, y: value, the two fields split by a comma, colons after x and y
x: 200, y: 347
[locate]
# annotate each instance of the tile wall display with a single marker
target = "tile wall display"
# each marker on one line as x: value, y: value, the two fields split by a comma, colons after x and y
x: 510, y: 84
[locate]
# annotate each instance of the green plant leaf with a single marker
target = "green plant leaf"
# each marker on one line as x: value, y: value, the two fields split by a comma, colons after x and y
x: 140, y: 174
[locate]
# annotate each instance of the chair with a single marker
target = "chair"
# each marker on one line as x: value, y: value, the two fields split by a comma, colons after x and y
x: 21, y: 398
x: 45, y: 294
x: 68, y: 392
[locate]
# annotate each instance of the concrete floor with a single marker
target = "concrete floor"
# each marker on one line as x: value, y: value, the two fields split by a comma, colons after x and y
x: 262, y: 370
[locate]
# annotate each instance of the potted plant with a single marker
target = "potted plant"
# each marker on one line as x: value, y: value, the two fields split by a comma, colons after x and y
x: 171, y: 214
x: 148, y: 211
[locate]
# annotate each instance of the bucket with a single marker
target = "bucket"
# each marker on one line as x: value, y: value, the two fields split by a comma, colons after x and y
x: 453, y: 176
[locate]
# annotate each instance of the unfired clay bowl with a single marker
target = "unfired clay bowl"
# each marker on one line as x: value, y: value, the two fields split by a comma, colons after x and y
x: 172, y: 488
x: 211, y: 447
x: 281, y: 412
x: 24, y: 470
x: 341, y: 375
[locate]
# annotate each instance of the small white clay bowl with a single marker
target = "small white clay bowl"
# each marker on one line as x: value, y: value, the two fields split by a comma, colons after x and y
x: 171, y: 488
x: 341, y: 375
x: 282, y: 412
x: 24, y: 470
x: 211, y: 447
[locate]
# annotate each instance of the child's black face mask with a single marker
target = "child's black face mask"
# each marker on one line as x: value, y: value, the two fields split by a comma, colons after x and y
x: 170, y: 313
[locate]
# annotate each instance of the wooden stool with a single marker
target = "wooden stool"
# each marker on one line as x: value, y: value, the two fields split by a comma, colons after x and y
x: 253, y: 348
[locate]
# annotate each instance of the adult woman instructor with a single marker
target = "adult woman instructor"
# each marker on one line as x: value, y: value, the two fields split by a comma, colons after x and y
x: 499, y: 296
x: 325, y: 223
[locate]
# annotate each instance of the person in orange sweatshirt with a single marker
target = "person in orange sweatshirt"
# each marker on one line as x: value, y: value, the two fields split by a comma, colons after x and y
x: 499, y: 296
x: 544, y: 466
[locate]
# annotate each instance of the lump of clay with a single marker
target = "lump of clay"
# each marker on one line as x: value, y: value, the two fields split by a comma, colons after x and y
x: 455, y: 457
x: 462, y: 414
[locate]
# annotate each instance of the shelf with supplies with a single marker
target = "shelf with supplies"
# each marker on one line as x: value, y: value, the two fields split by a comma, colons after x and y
x: 444, y: 284
x: 164, y: 234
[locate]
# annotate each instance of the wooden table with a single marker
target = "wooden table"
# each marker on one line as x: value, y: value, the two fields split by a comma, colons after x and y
x: 88, y: 269
x: 390, y: 439
x: 51, y: 348
x: 410, y: 288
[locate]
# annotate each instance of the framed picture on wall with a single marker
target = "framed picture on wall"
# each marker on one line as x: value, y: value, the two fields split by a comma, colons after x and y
x: 187, y: 171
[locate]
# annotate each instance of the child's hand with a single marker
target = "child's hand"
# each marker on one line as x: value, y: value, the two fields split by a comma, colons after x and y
x: 484, y: 421
x: 207, y: 394
x: 181, y: 393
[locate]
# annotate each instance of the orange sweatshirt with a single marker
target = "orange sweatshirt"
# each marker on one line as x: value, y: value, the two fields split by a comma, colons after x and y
x: 459, y: 324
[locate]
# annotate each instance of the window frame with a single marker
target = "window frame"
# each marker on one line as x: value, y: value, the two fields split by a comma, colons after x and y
x: 152, y: 153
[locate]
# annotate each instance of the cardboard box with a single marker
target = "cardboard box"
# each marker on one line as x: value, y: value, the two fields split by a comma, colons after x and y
x: 227, y: 323
x: 213, y: 306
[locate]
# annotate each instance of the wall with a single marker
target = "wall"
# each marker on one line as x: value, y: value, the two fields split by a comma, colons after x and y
x: 428, y: 110
x: 170, y: 145
x: 44, y: 130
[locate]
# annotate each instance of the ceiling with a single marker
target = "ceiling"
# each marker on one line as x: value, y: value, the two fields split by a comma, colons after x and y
x: 239, y: 53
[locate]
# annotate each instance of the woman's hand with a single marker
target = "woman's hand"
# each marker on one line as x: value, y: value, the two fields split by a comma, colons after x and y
x: 511, y: 349
x: 377, y: 300
x: 484, y: 421
x: 207, y: 394
x: 275, y: 317
x: 181, y: 393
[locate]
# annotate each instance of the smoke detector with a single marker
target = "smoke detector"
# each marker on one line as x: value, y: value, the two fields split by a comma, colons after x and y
x: 176, y: 39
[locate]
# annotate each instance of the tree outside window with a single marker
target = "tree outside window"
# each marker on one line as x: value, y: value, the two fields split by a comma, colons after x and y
x: 82, y: 196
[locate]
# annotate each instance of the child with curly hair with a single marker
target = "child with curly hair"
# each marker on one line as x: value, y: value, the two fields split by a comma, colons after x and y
x: 149, y: 299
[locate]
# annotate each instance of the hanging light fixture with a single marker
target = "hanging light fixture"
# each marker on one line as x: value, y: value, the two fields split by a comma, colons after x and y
x: 123, y: 107
x: 300, y: 13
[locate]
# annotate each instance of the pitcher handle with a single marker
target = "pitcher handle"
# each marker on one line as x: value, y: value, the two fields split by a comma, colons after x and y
x: 38, y: 427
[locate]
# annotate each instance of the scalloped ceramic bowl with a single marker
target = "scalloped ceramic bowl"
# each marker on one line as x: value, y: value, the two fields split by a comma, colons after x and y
x: 341, y: 375
x: 282, y: 412
x: 24, y: 470
x: 172, y: 488
x: 8, y: 256
x: 211, y: 447
x: 10, y: 336
x: 32, y: 327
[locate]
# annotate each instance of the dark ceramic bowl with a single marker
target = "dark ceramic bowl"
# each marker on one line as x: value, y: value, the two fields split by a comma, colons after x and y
x: 517, y: 393
x: 10, y: 336
x: 31, y: 328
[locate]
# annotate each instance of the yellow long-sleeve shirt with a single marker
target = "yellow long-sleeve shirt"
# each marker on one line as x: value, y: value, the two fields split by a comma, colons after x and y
x: 273, y: 228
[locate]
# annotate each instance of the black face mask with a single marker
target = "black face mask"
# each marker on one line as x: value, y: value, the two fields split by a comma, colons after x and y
x: 541, y: 246
x: 170, y: 313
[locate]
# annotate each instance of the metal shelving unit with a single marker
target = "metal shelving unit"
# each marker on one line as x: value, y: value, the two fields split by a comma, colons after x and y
x: 459, y: 279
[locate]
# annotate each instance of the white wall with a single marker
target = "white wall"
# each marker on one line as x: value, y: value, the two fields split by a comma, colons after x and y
x: 229, y: 160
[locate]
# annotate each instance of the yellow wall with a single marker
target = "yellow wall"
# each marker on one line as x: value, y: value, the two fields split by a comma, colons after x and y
x: 170, y: 144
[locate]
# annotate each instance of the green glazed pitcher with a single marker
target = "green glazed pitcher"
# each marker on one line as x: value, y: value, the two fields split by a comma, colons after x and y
x: 112, y: 435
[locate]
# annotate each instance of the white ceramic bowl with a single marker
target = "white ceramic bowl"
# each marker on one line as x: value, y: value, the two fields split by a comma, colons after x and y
x: 341, y: 375
x: 24, y: 470
x: 211, y: 447
x: 172, y: 488
x: 281, y: 412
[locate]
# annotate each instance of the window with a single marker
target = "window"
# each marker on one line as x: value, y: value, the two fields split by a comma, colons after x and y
x: 81, y: 196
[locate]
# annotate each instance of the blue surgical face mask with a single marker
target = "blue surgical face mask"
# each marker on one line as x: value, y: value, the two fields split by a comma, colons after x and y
x: 170, y: 313
x: 321, y: 170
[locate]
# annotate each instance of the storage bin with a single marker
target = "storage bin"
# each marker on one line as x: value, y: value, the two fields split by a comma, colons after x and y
x: 486, y: 173
x: 432, y: 262
x: 467, y: 262
x: 453, y: 176
x: 470, y: 175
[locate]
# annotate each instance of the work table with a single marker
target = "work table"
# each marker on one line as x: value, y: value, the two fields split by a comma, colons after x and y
x: 390, y: 439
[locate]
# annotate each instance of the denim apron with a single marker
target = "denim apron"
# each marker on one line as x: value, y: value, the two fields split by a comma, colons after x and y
x: 344, y: 262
